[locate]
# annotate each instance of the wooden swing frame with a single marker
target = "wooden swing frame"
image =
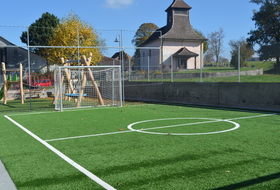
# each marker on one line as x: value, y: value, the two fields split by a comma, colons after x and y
x: 70, y: 89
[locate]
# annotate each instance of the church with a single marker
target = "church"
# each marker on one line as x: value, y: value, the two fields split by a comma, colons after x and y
x: 179, y: 46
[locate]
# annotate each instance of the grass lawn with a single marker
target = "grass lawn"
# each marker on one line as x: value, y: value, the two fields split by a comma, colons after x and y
x: 243, y: 78
x: 271, y: 74
x: 143, y: 146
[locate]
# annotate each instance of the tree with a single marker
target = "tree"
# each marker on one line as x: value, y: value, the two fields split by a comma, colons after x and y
x: 40, y: 32
x: 215, y: 40
x: 246, y: 52
x: 267, y: 27
x: 223, y: 59
x: 208, y: 58
x: 78, y: 36
x: 141, y: 35
x: 205, y: 43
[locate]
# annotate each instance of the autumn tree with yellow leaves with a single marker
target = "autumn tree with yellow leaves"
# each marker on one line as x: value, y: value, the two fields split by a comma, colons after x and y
x: 73, y: 38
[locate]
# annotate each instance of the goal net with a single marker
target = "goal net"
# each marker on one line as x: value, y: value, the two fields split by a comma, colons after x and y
x: 87, y: 86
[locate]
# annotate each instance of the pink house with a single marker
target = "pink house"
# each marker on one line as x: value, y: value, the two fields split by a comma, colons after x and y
x: 179, y: 46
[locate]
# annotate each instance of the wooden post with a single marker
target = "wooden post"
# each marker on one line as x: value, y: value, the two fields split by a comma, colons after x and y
x: 81, y: 93
x: 92, y: 79
x: 70, y: 88
x: 21, y: 84
x: 5, y: 83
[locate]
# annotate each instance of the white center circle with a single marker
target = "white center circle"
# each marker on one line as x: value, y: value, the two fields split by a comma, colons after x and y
x: 208, y: 120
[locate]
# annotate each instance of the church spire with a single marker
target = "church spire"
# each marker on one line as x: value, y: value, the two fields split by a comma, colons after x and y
x: 178, y: 4
x: 177, y: 7
x: 178, y: 22
x: 178, y: 25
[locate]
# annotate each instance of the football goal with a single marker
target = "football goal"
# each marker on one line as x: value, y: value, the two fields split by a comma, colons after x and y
x: 87, y: 86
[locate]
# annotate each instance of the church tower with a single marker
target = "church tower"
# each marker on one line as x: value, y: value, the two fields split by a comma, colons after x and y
x: 177, y: 7
x: 178, y: 22
x: 181, y: 46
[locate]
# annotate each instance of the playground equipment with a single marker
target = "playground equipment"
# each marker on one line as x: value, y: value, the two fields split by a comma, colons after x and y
x: 8, y: 81
x: 86, y: 86
x: 70, y: 92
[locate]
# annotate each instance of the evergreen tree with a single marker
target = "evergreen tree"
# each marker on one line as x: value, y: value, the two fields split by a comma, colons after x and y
x: 40, y: 32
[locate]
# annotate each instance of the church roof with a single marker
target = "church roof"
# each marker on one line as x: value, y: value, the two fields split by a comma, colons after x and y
x: 179, y: 4
x: 184, y: 52
x: 180, y: 29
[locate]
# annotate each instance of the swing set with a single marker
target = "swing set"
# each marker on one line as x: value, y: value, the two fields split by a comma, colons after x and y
x: 70, y: 92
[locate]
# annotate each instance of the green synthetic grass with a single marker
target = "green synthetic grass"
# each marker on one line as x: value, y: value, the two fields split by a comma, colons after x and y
x: 29, y: 104
x: 245, y: 158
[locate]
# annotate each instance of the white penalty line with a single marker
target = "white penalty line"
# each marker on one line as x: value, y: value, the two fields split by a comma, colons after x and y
x: 64, y: 157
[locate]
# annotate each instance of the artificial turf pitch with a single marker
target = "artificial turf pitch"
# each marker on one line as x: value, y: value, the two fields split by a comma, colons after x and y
x: 166, y: 147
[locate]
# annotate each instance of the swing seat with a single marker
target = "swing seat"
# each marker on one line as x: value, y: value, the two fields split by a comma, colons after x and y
x: 75, y: 95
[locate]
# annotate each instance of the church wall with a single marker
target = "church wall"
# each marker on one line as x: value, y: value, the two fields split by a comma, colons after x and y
x: 169, y: 48
x: 150, y: 58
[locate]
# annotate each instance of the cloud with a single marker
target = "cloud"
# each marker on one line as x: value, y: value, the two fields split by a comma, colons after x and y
x: 117, y: 4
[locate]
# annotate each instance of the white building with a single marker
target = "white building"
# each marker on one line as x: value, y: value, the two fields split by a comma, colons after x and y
x: 180, y: 46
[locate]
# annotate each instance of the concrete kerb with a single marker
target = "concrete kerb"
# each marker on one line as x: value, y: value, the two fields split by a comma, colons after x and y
x: 6, y: 183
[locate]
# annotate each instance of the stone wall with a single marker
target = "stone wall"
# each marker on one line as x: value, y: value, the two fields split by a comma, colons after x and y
x: 264, y: 96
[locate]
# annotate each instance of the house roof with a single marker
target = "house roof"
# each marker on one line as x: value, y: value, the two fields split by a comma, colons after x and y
x: 4, y: 42
x: 105, y: 58
x: 180, y: 29
x: 184, y: 52
x: 178, y: 4
x: 117, y: 55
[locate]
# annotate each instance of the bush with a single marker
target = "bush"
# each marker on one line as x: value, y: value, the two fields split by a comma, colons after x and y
x: 156, y: 72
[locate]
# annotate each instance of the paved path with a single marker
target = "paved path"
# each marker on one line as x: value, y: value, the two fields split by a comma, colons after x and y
x: 6, y: 183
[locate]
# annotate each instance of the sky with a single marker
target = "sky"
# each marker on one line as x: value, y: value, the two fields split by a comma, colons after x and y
x: 111, y: 16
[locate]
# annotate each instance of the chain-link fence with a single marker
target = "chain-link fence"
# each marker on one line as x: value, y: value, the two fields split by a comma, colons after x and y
x: 157, y: 60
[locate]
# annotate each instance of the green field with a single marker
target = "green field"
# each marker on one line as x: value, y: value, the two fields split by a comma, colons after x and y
x: 142, y: 146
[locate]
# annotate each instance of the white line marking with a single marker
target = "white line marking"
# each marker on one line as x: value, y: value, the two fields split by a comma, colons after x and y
x: 252, y: 116
x: 64, y: 157
x: 74, y: 110
x: 112, y: 133
x: 208, y: 133
x: 213, y: 120
x: 168, y: 126
x: 85, y: 136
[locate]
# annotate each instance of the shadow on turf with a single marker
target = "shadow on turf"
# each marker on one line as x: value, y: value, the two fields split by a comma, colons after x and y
x: 45, y: 183
x: 184, y: 173
x: 250, y: 182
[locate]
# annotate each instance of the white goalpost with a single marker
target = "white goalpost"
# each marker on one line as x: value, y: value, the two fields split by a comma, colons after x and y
x: 87, y: 86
